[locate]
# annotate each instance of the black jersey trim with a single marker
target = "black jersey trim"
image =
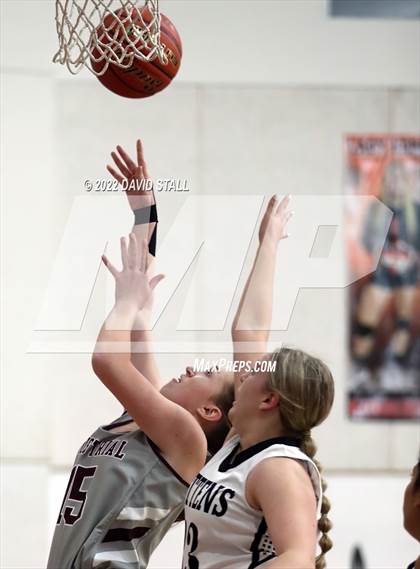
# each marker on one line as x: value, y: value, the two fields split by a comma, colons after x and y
x: 124, y: 419
x: 117, y: 424
x: 234, y: 459
x: 168, y: 466
x: 120, y: 534
x: 255, y: 551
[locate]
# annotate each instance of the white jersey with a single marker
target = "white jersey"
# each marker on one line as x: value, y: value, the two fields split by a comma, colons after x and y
x: 222, y: 530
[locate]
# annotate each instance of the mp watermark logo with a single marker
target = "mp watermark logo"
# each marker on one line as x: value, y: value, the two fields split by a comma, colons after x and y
x: 206, y: 254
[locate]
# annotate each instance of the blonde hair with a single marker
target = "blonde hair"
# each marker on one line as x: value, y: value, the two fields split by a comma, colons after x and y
x: 306, y: 387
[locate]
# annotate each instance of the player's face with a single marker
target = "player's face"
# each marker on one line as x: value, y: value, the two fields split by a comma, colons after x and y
x: 194, y: 389
x: 411, y: 506
x: 252, y: 390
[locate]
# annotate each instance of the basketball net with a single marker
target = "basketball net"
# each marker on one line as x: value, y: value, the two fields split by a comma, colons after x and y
x: 85, y: 37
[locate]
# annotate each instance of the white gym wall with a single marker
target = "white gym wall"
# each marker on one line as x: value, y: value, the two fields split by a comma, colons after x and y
x: 265, y: 93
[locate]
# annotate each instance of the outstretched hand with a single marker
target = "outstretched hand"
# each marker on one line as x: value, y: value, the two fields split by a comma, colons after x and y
x: 132, y: 285
x: 133, y: 177
x: 274, y: 223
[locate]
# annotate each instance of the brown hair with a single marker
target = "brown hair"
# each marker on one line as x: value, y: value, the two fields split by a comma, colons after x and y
x: 216, y: 432
x: 306, y: 387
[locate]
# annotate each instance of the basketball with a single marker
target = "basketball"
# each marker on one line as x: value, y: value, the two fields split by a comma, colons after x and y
x: 142, y: 78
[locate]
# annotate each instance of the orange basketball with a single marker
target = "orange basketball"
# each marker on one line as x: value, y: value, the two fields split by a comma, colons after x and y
x: 143, y: 78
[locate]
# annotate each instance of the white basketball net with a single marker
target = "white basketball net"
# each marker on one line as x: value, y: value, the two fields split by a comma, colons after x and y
x: 79, y: 41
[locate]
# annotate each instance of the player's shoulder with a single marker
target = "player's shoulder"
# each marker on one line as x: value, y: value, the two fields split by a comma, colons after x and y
x: 279, y: 470
x: 189, y: 455
x: 281, y: 476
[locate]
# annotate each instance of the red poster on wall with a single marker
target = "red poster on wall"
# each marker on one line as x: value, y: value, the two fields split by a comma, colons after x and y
x: 383, y: 243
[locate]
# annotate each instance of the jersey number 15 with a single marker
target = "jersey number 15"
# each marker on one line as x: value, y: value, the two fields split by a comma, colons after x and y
x: 71, y: 513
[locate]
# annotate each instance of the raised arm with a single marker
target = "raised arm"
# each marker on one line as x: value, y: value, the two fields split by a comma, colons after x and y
x: 184, y: 440
x: 135, y: 178
x: 252, y: 322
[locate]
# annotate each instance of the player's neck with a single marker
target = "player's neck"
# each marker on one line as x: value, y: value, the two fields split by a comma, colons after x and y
x: 254, y: 434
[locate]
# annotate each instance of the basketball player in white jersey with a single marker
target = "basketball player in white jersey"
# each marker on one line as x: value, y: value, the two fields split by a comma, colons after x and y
x: 259, y: 501
x: 130, y: 478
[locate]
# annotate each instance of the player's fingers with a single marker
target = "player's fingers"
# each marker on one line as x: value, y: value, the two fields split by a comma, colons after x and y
x: 138, y: 172
x: 144, y: 256
x: 140, y: 153
x: 272, y: 202
x: 133, y: 260
x: 115, y: 174
x: 122, y: 168
x: 270, y: 206
x: 129, y: 163
x: 146, y: 182
x: 156, y: 280
x: 109, y: 266
x: 140, y: 159
x: 288, y: 215
x: 282, y: 205
x: 124, y: 252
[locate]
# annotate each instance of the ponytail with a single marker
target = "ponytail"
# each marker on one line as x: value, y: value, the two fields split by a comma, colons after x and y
x: 308, y: 447
x: 306, y: 388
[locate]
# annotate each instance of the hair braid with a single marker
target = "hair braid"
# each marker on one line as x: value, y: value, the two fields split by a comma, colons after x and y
x: 308, y: 446
x: 306, y: 388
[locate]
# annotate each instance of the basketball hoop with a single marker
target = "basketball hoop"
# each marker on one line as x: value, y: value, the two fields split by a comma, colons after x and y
x: 107, y: 32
